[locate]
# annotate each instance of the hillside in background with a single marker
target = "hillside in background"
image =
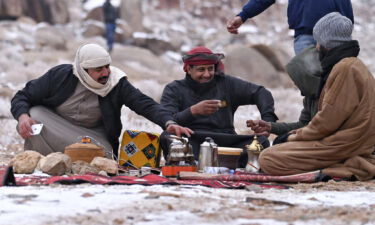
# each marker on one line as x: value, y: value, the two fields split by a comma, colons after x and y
x: 151, y: 36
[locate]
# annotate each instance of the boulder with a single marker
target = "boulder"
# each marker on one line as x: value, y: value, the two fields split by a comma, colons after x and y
x: 108, y: 165
x: 250, y: 65
x: 95, y: 14
x: 131, y: 12
x: 103, y: 173
x: 11, y: 9
x: 25, y: 162
x: 124, y: 32
x: 92, y: 28
x: 82, y: 167
x: 269, y: 54
x: 26, y: 20
x: 50, y: 11
x: 156, y: 45
x: 55, y: 164
x: 140, y: 63
x: 49, y: 36
x: 59, y: 11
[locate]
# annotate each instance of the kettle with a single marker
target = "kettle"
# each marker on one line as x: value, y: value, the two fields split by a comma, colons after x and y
x: 180, y: 152
x: 253, y: 151
x: 208, y: 156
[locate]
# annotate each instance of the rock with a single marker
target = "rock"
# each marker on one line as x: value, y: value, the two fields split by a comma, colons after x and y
x: 50, y: 36
x: 6, y: 91
x: 131, y: 12
x: 11, y: 9
x: 269, y: 54
x: 95, y: 14
x: 40, y: 161
x: 254, y: 188
x: 103, y: 173
x: 82, y: 167
x: 156, y: 45
x: 59, y: 11
x: 50, y: 11
x: 108, y: 165
x: 124, y: 32
x: 26, y: 20
x: 251, y: 66
x: 56, y: 164
x: 140, y: 63
x: 167, y: 4
x: 25, y: 162
x: 93, y: 28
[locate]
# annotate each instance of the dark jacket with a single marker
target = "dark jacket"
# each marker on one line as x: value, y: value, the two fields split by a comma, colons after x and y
x: 109, y: 12
x: 302, y: 14
x: 59, y: 83
x: 179, y: 95
x: 304, y: 70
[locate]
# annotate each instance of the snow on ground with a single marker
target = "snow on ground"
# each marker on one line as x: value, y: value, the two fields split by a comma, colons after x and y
x: 161, y: 204
x: 320, y: 203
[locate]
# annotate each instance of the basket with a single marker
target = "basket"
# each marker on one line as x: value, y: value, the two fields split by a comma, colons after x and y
x: 84, y: 151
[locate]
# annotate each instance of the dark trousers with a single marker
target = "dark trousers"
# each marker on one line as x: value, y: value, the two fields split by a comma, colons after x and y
x: 110, y: 35
x: 221, y: 139
x: 281, y: 139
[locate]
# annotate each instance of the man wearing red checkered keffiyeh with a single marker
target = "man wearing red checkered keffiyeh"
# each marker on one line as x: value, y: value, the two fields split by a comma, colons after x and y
x: 206, y: 100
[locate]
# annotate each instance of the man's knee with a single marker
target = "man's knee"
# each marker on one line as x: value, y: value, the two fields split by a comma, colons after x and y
x: 267, y: 161
x: 38, y: 113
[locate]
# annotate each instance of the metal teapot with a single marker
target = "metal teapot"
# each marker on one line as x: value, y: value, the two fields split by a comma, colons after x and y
x: 253, y: 151
x: 180, y: 151
x: 208, y: 154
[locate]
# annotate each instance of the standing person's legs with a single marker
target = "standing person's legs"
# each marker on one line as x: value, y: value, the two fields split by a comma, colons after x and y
x: 57, y: 133
x: 110, y: 33
x: 303, y: 41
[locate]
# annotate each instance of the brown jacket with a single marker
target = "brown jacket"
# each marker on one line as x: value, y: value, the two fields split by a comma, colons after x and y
x: 340, y: 139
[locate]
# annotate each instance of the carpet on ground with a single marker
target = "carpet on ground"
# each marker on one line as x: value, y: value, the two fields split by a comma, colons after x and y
x: 238, y: 180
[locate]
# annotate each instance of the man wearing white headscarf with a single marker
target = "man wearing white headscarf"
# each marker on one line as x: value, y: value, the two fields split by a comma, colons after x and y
x: 83, y: 99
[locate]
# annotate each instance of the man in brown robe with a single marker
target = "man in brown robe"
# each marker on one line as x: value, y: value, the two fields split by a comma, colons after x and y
x: 340, y: 139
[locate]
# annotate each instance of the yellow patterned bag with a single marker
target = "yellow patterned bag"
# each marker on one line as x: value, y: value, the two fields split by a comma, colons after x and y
x: 139, y: 148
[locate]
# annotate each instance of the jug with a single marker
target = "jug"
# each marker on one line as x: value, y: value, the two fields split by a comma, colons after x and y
x: 180, y: 152
x: 253, y: 151
x: 208, y: 154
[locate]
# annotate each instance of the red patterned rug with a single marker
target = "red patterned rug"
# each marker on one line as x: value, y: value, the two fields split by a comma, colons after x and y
x: 309, y: 177
x: 238, y: 180
x: 150, y: 179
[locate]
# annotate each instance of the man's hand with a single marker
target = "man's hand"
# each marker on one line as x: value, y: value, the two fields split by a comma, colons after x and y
x: 234, y: 24
x: 260, y: 127
x: 24, y: 125
x: 206, y: 107
x: 178, y: 130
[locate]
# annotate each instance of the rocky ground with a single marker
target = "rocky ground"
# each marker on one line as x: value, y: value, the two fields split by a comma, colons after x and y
x: 318, y: 203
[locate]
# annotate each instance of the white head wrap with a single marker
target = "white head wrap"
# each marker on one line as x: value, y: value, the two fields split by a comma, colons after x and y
x: 93, y: 56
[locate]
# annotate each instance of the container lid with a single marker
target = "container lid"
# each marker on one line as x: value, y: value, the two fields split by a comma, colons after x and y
x: 229, y: 151
x: 77, y: 146
x: 86, y: 143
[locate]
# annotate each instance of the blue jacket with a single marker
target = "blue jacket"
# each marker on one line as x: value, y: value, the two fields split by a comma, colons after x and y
x: 302, y: 14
